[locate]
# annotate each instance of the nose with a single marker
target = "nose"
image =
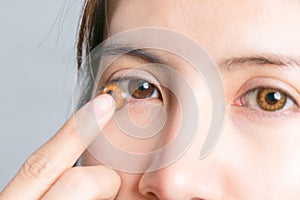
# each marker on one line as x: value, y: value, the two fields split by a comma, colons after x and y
x: 187, y: 179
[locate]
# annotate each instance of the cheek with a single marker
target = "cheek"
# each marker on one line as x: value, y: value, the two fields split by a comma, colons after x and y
x: 261, y: 161
x: 281, y: 158
x: 143, y: 113
x: 130, y: 182
x: 139, y: 114
x: 143, y: 126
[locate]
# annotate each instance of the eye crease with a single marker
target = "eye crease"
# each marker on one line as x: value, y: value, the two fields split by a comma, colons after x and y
x: 123, y: 90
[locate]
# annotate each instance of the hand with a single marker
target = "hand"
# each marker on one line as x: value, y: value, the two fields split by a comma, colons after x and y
x: 48, y: 173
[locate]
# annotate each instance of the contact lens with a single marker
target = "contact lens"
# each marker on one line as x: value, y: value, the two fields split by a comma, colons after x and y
x: 271, y: 99
x: 141, y: 89
x: 117, y: 92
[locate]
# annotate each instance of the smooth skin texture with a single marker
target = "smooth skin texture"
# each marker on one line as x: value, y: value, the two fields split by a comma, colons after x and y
x: 257, y: 156
x: 48, y: 173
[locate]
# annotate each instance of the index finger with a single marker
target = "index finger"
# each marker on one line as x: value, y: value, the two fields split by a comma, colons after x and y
x: 46, y: 165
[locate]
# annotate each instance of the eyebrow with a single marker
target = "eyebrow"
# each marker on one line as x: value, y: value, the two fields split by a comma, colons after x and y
x: 120, y: 49
x: 261, y: 59
x: 228, y: 64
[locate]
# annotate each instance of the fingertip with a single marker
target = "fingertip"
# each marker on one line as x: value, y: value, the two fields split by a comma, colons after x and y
x: 90, y: 119
x: 103, y: 105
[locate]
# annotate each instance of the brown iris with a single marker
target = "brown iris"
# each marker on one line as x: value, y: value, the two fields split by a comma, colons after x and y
x: 141, y: 89
x: 116, y: 91
x: 271, y: 99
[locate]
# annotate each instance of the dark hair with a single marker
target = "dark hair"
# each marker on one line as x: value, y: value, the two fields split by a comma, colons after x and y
x: 93, y: 26
x: 93, y: 30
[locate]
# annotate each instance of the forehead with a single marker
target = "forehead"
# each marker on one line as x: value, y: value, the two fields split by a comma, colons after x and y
x: 202, y: 12
x: 246, y: 25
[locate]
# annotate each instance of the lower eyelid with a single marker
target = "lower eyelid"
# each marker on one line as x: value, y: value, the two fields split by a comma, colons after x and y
x: 255, y: 114
x: 145, y: 102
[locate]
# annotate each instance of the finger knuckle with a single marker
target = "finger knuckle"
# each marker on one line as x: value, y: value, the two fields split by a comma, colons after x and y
x: 40, y: 167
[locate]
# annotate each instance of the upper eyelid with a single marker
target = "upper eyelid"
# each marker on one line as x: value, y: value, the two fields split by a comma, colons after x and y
x: 135, y: 74
x: 128, y: 78
x: 267, y: 82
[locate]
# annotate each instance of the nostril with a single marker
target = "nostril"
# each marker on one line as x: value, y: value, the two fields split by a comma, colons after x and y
x: 151, y: 196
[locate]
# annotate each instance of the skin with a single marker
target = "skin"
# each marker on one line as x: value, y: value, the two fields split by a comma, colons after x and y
x: 47, y: 173
x: 257, y: 156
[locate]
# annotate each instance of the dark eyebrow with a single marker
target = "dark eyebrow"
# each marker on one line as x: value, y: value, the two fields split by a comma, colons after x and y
x: 120, y: 49
x: 257, y: 59
x: 262, y: 59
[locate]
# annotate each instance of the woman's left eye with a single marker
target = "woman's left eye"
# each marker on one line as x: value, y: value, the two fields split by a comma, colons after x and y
x: 266, y: 99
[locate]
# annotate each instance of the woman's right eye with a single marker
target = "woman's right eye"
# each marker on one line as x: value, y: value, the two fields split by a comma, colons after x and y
x: 142, y: 89
x: 125, y: 89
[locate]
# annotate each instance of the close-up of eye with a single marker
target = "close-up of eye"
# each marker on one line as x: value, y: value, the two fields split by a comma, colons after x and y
x: 126, y: 89
x: 267, y: 99
x: 141, y: 89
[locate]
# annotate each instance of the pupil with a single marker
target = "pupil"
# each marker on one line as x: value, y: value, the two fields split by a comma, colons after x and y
x: 273, y: 98
x: 110, y: 92
x: 144, y: 86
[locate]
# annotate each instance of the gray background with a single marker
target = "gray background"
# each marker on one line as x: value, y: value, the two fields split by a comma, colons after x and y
x: 37, y: 74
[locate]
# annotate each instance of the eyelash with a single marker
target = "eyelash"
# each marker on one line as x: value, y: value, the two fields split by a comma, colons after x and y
x: 126, y: 89
x: 244, y: 101
x: 248, y: 100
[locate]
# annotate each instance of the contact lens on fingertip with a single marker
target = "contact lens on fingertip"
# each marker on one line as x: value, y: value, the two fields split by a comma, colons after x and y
x: 117, y: 92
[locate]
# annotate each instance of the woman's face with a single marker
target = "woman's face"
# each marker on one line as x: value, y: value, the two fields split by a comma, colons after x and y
x: 256, y: 46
